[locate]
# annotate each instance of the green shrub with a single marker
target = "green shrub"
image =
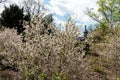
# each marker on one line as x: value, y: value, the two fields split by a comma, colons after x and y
x: 97, y: 69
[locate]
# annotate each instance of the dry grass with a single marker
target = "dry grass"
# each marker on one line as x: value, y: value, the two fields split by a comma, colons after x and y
x: 108, y: 50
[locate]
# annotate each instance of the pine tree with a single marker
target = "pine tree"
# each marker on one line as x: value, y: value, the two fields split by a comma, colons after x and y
x: 12, y: 17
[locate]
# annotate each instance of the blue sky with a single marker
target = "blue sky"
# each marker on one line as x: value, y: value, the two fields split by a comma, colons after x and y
x: 75, y: 8
x: 62, y: 9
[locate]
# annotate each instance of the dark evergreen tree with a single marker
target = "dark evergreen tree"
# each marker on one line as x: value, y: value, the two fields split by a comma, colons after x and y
x: 12, y: 17
x: 47, y: 20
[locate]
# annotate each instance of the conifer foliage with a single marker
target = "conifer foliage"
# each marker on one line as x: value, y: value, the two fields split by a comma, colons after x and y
x: 12, y: 17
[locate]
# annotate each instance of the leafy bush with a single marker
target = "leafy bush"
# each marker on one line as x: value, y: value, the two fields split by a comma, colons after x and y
x: 42, y: 55
x: 51, y: 53
x: 10, y: 47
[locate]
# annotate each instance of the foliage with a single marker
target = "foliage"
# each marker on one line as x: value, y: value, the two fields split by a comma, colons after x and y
x: 107, y: 15
x: 9, y: 48
x: 58, y: 56
x: 48, y: 20
x: 52, y: 53
x: 12, y: 17
x: 96, y: 68
x: 58, y: 76
x: 42, y: 56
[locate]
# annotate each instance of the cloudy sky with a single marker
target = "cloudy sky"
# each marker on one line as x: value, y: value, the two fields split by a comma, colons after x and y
x: 62, y: 9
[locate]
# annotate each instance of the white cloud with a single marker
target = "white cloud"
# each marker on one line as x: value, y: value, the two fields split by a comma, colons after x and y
x: 56, y: 6
x: 76, y: 7
x: 62, y: 7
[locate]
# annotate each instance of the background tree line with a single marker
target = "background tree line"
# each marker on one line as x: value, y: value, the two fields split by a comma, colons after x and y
x: 107, y: 18
x: 14, y: 16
